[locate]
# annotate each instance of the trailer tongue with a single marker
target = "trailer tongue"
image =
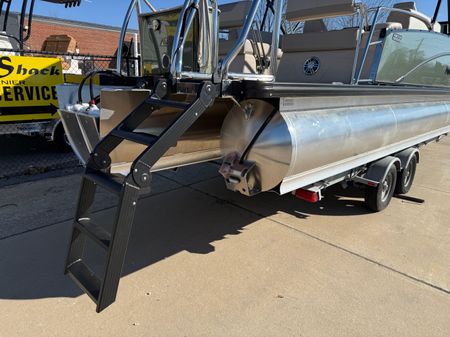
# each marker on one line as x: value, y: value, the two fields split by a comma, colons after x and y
x: 298, y: 118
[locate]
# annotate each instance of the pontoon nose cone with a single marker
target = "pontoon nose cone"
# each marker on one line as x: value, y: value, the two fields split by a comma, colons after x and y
x: 267, y: 139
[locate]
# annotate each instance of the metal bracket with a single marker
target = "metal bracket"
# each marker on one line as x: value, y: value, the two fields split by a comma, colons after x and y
x: 168, y: 138
x: 238, y: 173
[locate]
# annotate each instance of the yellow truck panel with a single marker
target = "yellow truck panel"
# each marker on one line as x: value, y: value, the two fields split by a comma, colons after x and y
x: 28, y: 88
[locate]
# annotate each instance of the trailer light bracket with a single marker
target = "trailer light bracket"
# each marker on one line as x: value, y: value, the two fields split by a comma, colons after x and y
x: 308, y: 195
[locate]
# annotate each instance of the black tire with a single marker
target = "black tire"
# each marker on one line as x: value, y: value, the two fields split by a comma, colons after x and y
x: 378, y: 198
x: 406, y: 177
x: 60, y: 141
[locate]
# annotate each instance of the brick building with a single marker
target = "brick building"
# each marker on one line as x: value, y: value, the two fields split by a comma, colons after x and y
x: 91, y: 38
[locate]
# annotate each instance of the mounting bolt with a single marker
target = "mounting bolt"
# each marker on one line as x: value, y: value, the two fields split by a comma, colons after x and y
x: 145, y: 177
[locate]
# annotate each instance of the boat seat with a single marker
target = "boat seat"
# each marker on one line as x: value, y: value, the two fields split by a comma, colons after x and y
x: 306, y: 10
x: 314, y: 26
x: 232, y: 17
x: 407, y: 21
x: 246, y: 62
x: 334, y: 51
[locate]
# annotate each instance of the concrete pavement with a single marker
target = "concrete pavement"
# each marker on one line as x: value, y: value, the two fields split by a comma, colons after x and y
x: 206, y: 262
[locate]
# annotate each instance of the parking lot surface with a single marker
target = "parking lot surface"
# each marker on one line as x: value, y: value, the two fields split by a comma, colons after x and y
x: 203, y: 261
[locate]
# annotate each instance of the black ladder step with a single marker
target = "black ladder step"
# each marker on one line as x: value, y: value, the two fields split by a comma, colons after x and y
x: 97, y: 233
x: 164, y: 103
x: 140, y: 138
x: 85, y: 279
x: 104, y: 180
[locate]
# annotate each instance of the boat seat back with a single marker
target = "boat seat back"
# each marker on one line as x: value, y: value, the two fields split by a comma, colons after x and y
x: 330, y: 54
x: 314, y: 26
x: 246, y: 61
x: 325, y: 57
x: 405, y: 20
x: 304, y: 10
x: 233, y: 15
x: 232, y: 18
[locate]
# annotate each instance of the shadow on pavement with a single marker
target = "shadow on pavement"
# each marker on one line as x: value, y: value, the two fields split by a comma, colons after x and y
x: 32, y: 264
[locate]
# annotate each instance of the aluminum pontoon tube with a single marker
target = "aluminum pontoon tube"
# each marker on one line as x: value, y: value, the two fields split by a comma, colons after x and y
x: 300, y: 147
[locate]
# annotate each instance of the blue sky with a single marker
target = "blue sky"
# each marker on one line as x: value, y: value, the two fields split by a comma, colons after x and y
x: 111, y: 12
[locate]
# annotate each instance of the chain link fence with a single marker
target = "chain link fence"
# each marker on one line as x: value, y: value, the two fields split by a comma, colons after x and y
x: 36, y: 146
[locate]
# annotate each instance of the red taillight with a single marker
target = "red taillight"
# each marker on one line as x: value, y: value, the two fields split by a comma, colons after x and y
x: 308, y: 196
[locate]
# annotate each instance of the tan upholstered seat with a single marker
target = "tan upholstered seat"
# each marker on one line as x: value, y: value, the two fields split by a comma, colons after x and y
x: 314, y: 26
x: 232, y: 18
x: 332, y: 52
x: 304, y: 10
x: 233, y: 15
x: 407, y: 21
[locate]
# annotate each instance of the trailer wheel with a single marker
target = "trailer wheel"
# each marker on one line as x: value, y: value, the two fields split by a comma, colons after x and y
x: 60, y: 141
x: 406, y: 177
x: 378, y: 198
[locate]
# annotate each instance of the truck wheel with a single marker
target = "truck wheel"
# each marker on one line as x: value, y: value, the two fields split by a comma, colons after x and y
x: 406, y: 177
x: 378, y: 198
x: 60, y: 140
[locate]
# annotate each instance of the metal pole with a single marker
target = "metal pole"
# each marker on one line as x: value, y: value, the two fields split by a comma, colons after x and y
x: 436, y: 11
x: 136, y: 55
x: 151, y: 6
x: 22, y: 23
x: 361, y: 11
x: 138, y: 7
x: 177, y: 38
x: 215, y: 35
x: 30, y: 21
x: 369, y: 42
x: 188, y: 24
x: 243, y: 37
x: 276, y: 36
x: 5, y: 18
x: 123, y: 33
x: 448, y: 17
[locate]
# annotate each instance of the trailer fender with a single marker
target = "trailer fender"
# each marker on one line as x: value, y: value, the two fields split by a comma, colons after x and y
x: 406, y: 156
x: 379, y: 170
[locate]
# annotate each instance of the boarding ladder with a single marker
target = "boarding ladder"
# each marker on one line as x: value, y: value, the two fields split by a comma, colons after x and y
x: 103, y: 288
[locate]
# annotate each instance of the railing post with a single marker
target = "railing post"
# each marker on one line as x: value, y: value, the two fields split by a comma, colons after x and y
x: 123, y: 33
x: 241, y: 42
x: 369, y: 43
x: 276, y: 36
